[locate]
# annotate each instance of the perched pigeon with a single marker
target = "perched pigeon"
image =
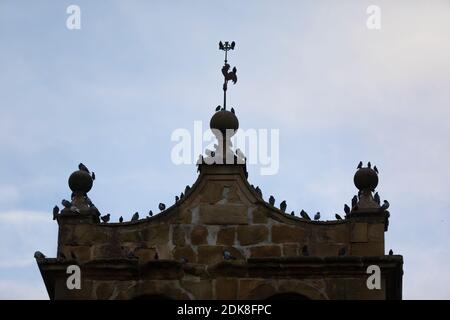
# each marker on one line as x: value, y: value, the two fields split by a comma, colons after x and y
x: 305, y: 252
x: 121, y: 219
x: 39, y: 255
x: 186, y: 190
x: 346, y: 209
x: 232, y: 110
x: 150, y: 213
x: 218, y: 108
x: 338, y: 217
x: 181, y: 195
x: 304, y: 215
x: 317, y: 216
x: 354, y: 201
x: 66, y: 203
x: 162, y: 206
x: 135, y: 216
x: 391, y: 252
x: 228, y: 256
x: 83, y: 167
x: 177, y: 198
x: 283, y: 206
x: 105, y: 218
x: 258, y: 191
x: 376, y: 197
x: 369, y: 165
x: 375, y: 169
x: 93, y: 176
x: 342, y: 251
x: 360, y: 164
x: 55, y: 212
x: 385, y: 205
x: 292, y: 213
x: 272, y: 201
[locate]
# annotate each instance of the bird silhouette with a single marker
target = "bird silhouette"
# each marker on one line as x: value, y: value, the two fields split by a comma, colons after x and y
x: 375, y: 169
x: 305, y: 252
x: 354, y: 201
x: 346, y: 209
x: 39, y: 255
x: 292, y: 213
x: 82, y: 167
x: 338, y: 217
x: 369, y: 165
x: 360, y: 164
x: 228, y: 256
x: 342, y: 251
x: 66, y: 203
x: 93, y: 176
x: 376, y: 197
x: 317, y: 216
x: 229, y: 75
x: 232, y: 45
x: 121, y: 219
x: 272, y: 200
x: 304, y: 215
x: 221, y: 47
x: 283, y: 206
x: 177, y: 198
x: 55, y: 212
x: 232, y: 110
x: 218, y: 108
x: 150, y: 213
x: 181, y: 195
x: 135, y: 216
x: 385, y: 205
x: 162, y: 206
x: 186, y: 190
x: 258, y: 191
x: 391, y: 252
x: 105, y: 218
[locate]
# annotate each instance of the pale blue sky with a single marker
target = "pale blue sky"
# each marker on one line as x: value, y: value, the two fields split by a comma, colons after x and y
x: 110, y: 95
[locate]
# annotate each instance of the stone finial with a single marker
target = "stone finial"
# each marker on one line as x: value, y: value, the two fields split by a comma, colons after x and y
x: 366, y: 180
x: 80, y: 181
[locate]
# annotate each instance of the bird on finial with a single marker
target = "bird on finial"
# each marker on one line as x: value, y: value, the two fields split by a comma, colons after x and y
x: 292, y: 213
x: 375, y: 169
x: 82, y: 167
x: 232, y: 110
x: 66, y: 203
x: 55, y: 212
x: 218, y: 108
x: 376, y: 197
x: 385, y: 205
x: 369, y: 165
x: 359, y: 165
x: 354, y: 201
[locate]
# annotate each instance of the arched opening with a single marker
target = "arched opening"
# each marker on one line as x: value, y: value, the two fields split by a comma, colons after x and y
x: 288, y: 296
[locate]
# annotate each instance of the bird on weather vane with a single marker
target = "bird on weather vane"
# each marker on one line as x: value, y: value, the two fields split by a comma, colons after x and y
x: 227, y: 74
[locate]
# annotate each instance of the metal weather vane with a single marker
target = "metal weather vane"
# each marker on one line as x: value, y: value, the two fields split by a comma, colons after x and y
x: 227, y: 74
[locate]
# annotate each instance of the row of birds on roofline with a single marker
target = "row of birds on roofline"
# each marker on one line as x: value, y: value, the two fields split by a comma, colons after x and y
x: 220, y: 108
x: 107, y: 217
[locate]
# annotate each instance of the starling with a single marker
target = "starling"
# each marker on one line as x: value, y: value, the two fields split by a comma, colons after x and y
x: 121, y: 219
x: 105, y: 218
x: 360, y: 164
x: 305, y: 252
x: 338, y: 217
x: 272, y: 201
x: 55, y: 212
x: 283, y: 206
x: 135, y: 216
x: 354, y: 201
x: 376, y: 197
x: 82, y: 167
x: 346, y: 209
x: 317, y: 216
x: 342, y: 251
x: 391, y: 252
x: 162, y: 206
x: 304, y: 215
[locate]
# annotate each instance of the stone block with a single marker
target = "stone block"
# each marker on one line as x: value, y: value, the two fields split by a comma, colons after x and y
x: 226, y: 236
x: 265, y: 251
x: 223, y: 214
x: 376, y: 232
x: 359, y: 232
x: 290, y: 250
x: 210, y: 254
x: 186, y: 253
x: 260, y: 215
x: 284, y: 233
x: 226, y: 288
x: 178, y: 235
x: 200, y: 289
x: 199, y: 235
x: 253, y: 234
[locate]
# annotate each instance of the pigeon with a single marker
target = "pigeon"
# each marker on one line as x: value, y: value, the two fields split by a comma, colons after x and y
x: 232, y: 110
x: 304, y: 215
x: 283, y: 206
x: 375, y: 169
x: 338, y: 217
x: 391, y: 252
x: 232, y: 45
x: 354, y: 201
x: 121, y: 219
x: 55, y: 212
x: 360, y: 164
x: 218, y: 108
x: 221, y: 47
x: 385, y: 205
x: 228, y: 256
x: 150, y: 213
x: 105, y: 218
x: 305, y: 252
x: 272, y: 201
x: 317, y: 216
x: 342, y: 251
x: 82, y: 167
x: 292, y: 213
x: 162, y: 206
x: 369, y: 165
x: 39, y: 255
x: 258, y: 191
x: 177, y: 198
x: 135, y: 216
x: 346, y: 209
x: 376, y: 197
x: 181, y: 195
x: 156, y: 257
x: 67, y: 204
x: 186, y: 190
x: 93, y: 176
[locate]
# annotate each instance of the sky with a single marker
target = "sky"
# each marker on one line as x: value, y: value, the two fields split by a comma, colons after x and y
x: 111, y: 94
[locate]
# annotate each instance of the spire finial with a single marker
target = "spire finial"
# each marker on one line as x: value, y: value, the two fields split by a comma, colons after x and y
x: 227, y: 74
